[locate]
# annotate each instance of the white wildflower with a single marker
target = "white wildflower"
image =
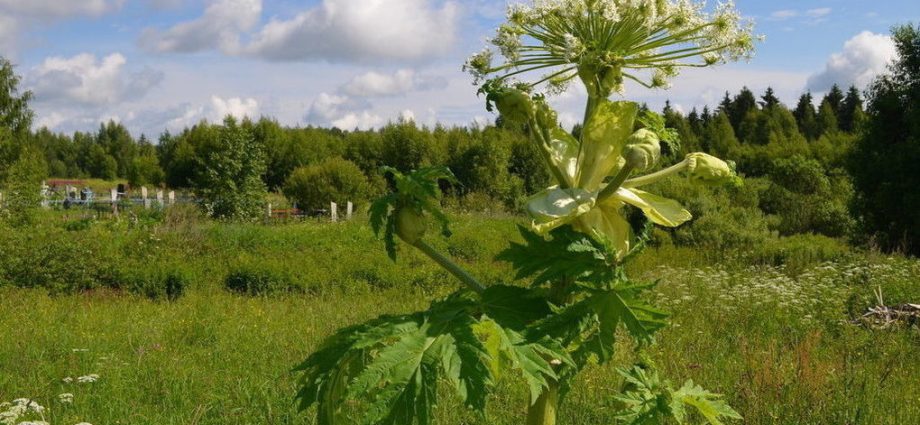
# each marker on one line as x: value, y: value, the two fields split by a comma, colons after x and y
x: 65, y: 398
x: 67, y: 380
x: 88, y: 378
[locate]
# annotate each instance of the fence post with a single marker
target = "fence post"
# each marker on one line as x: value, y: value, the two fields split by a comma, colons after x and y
x: 268, y: 210
x: 172, y: 197
x: 144, y: 197
x: 160, y: 199
x: 114, y: 194
x: 334, y: 209
x: 44, y: 193
x: 349, y: 209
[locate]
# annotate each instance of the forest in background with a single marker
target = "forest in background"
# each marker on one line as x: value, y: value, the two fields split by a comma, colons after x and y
x: 834, y: 166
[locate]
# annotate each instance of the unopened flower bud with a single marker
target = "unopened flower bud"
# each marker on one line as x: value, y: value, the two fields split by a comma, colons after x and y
x: 708, y: 170
x: 643, y: 149
x: 514, y: 105
x: 546, y: 116
x: 410, y: 225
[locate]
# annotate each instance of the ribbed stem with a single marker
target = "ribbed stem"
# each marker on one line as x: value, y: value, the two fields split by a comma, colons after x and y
x: 450, y: 266
x: 543, y: 411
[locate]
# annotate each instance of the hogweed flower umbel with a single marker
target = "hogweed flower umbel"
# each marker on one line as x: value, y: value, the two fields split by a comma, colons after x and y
x: 606, y: 42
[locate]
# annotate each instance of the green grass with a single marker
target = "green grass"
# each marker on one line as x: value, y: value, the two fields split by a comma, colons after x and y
x: 777, y: 342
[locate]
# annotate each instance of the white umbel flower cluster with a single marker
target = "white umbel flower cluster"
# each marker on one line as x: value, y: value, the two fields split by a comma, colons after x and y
x: 646, y: 41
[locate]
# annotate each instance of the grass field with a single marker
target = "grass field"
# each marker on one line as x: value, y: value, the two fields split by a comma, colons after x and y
x: 777, y: 341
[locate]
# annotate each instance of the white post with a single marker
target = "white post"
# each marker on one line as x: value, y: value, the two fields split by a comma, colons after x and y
x: 172, y: 197
x: 349, y: 209
x: 114, y: 200
x: 268, y: 211
x: 144, y: 197
x: 160, y: 199
x: 334, y: 209
x: 44, y: 192
x: 1, y: 199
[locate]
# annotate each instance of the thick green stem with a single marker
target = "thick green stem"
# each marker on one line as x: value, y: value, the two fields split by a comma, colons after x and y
x: 615, y: 184
x: 450, y: 266
x: 657, y: 176
x: 543, y: 411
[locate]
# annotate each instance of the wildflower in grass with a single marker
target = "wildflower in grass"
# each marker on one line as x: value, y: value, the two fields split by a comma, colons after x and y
x: 67, y: 380
x: 65, y: 398
x: 84, y: 423
x: 88, y: 378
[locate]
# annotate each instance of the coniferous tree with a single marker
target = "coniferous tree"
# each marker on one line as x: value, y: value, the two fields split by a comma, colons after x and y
x: 806, y: 117
x: 769, y: 99
x: 835, y: 98
x: 741, y: 106
x: 827, y: 118
x: 851, y: 110
x: 719, y: 137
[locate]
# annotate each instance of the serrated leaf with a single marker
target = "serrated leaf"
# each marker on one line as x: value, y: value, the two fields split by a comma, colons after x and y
x: 390, y: 366
x: 588, y: 327
x: 534, y: 360
x: 513, y: 307
x: 707, y: 404
x: 566, y: 255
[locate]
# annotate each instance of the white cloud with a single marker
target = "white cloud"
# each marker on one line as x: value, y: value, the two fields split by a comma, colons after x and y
x: 219, y: 28
x: 234, y: 106
x: 375, y: 84
x: 818, y: 13
x: 784, y: 14
x: 864, y: 57
x: 52, y: 9
x: 363, y: 120
x: 360, y: 31
x: 407, y: 115
x: 85, y: 80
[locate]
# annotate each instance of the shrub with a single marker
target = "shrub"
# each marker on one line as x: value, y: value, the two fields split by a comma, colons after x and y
x: 156, y: 283
x: 333, y: 180
x: 256, y: 280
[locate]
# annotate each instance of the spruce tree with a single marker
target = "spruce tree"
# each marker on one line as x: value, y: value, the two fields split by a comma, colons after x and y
x: 769, y: 99
x: 850, y: 110
x: 827, y: 118
x: 806, y: 117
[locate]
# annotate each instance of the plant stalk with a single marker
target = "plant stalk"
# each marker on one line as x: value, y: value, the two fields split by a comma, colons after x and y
x: 543, y: 411
x: 468, y: 280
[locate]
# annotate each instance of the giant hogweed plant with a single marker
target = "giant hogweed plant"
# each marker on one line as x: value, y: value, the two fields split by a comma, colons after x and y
x: 388, y: 370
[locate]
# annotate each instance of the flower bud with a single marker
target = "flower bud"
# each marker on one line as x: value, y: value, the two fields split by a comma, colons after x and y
x: 546, y: 116
x: 708, y: 170
x: 410, y: 225
x: 514, y: 105
x: 643, y: 149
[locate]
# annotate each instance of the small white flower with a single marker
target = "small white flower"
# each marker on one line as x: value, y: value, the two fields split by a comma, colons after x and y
x: 88, y: 378
x: 84, y: 423
x: 65, y: 398
x: 67, y: 380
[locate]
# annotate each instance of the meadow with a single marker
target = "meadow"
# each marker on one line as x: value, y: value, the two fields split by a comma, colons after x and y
x: 166, y: 318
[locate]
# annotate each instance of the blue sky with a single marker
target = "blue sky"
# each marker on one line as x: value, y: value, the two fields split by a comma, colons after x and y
x: 160, y: 65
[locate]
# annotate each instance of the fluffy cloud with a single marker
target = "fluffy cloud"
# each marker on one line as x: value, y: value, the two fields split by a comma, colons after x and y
x: 19, y: 15
x: 52, y: 9
x: 188, y: 115
x: 375, y: 84
x: 864, y: 57
x: 342, y: 112
x: 86, y: 80
x: 359, y: 31
x: 219, y: 28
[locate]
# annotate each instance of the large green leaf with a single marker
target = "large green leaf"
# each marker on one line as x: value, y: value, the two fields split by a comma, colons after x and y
x: 566, y: 255
x: 647, y: 400
x: 588, y: 327
x: 388, y: 369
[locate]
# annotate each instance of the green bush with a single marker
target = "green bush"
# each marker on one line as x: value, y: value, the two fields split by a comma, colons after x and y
x: 256, y: 280
x: 797, y: 252
x: 156, y: 283
x: 333, y: 180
